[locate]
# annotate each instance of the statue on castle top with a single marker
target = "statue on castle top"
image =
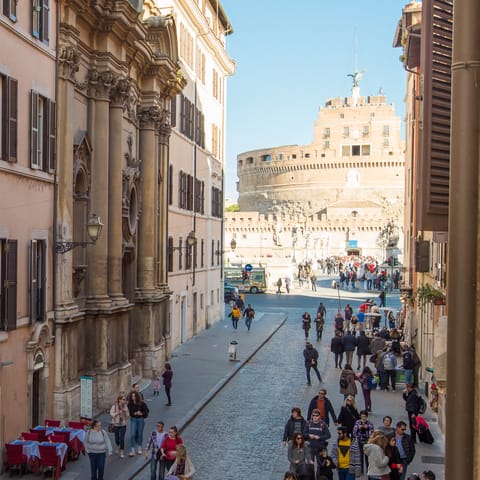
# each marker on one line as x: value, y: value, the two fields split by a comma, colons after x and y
x: 356, y: 76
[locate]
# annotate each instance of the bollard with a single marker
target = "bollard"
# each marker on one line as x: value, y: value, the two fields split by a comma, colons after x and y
x: 232, y: 350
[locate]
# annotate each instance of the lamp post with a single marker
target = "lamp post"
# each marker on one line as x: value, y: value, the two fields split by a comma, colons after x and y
x: 94, y: 228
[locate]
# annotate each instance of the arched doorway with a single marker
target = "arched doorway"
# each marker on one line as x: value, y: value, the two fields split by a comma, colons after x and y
x: 38, y: 389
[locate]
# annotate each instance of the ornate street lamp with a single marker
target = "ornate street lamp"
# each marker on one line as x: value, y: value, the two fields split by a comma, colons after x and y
x: 94, y: 228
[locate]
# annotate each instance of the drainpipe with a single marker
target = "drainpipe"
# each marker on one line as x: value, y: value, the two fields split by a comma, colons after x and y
x: 462, y: 431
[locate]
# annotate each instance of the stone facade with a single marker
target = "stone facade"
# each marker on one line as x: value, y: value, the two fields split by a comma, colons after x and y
x: 118, y: 70
x: 342, y: 190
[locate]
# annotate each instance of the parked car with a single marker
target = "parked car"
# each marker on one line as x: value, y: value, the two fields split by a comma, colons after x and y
x: 229, y: 292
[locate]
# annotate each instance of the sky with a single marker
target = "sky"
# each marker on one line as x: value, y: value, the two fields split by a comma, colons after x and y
x: 291, y: 56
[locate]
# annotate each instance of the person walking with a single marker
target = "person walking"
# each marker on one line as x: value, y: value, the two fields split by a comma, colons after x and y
x: 348, y: 414
x: 323, y: 405
x: 138, y: 411
x: 296, y: 423
x: 368, y: 383
x: 363, y: 349
x: 97, y: 445
x: 406, y: 447
x: 322, y: 310
x: 389, y: 362
x: 347, y: 382
x: 288, y: 284
x: 313, y: 281
x: 374, y: 449
x: 153, y: 451
x: 182, y: 467
x: 319, y: 324
x: 349, y: 346
x: 167, y: 376
x: 345, y: 454
x: 119, y: 413
x: 299, y: 455
x: 168, y: 449
x: 336, y: 347
x: 362, y: 430
x: 306, y: 323
x: 235, y: 315
x: 249, y: 315
x: 316, y: 433
x: 412, y: 406
x: 310, y: 354
x: 279, y: 285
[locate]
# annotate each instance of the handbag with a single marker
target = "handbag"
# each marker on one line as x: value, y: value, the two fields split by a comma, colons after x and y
x: 304, y: 470
x: 111, y: 428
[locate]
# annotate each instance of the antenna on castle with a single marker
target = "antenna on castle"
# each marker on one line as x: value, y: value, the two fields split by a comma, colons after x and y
x: 356, y: 50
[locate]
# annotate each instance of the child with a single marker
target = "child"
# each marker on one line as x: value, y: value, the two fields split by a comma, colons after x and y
x: 156, y: 384
x: 325, y: 466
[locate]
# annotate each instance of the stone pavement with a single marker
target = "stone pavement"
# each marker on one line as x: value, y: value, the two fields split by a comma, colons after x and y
x: 201, y: 369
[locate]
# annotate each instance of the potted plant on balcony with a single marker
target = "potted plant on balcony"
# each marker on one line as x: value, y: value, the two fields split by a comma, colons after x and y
x: 427, y: 293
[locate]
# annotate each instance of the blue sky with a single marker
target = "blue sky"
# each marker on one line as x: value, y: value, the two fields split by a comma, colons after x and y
x: 293, y: 55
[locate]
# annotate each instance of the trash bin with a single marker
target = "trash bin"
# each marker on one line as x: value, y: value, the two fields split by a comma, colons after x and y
x: 232, y: 350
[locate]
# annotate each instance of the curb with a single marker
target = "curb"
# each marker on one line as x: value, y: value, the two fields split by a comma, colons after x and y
x: 201, y: 404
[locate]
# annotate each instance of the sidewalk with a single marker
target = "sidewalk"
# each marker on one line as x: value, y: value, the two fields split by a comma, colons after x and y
x: 201, y: 368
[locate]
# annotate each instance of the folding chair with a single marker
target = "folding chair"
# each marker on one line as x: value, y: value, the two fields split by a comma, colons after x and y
x: 31, y: 436
x: 49, y: 460
x: 52, y: 423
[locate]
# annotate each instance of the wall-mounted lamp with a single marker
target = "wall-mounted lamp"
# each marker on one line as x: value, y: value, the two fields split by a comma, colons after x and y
x: 191, y: 242
x: 94, y: 228
x: 233, y: 244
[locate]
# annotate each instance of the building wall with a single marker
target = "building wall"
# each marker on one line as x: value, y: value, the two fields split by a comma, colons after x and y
x: 197, y: 299
x: 26, y: 215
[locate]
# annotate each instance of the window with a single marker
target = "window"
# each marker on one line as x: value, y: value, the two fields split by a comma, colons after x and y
x: 215, y: 84
x: 366, y: 130
x: 170, y: 255
x: 10, y: 9
x: 180, y: 258
x: 365, y: 149
x: 326, y: 133
x: 40, y: 17
x: 37, y: 280
x: 188, y: 256
x: 385, y: 142
x: 355, y: 150
x: 345, y: 150
x: 202, y: 253
x: 199, y: 196
x: 8, y: 284
x: 170, y: 185
x: 218, y: 253
x: 342, y: 115
x: 213, y: 253
x: 386, y: 130
x: 346, y: 131
x: 280, y: 156
x: 173, y: 112
x: 327, y: 144
x: 217, y: 210
x: 42, y: 133
x: 307, y: 155
x: 8, y: 118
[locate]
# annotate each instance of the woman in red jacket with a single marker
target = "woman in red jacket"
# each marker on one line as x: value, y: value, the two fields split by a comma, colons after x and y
x: 168, y: 448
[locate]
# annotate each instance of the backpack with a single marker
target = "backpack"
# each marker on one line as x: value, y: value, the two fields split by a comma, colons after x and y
x: 371, y: 383
x: 387, y: 362
x: 343, y: 382
x: 422, y: 405
x: 408, y: 360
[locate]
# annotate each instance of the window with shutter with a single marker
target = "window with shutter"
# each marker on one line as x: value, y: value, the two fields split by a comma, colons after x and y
x: 180, y: 252
x: 52, y: 136
x: 37, y: 281
x: 434, y: 166
x: 12, y: 119
x: 8, y: 286
x: 170, y: 255
x: 34, y: 135
x: 170, y: 185
x: 41, y: 20
x: 36, y: 16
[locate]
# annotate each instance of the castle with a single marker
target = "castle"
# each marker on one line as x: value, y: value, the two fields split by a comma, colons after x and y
x: 342, y: 194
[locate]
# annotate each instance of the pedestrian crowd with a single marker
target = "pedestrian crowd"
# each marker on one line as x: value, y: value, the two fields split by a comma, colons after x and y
x: 164, y: 450
x: 379, y: 452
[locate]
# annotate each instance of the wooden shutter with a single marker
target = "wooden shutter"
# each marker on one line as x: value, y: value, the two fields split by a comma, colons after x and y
x: 13, y: 9
x: 52, y: 136
x: 422, y: 256
x: 12, y: 129
x: 34, y: 130
x: 11, y: 284
x: 436, y: 61
x: 182, y: 114
x: 36, y: 15
x: 173, y: 111
x: 45, y: 28
x: 33, y: 281
x: 5, y: 8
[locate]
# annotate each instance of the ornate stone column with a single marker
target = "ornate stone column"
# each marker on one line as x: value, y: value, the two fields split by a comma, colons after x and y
x: 164, y: 131
x: 118, y: 95
x: 100, y: 84
x: 146, y: 246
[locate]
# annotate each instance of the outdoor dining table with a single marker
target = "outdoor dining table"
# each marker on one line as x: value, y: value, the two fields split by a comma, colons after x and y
x: 31, y: 451
x: 76, y: 438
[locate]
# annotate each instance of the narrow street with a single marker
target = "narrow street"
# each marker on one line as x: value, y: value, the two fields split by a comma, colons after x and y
x: 238, y: 435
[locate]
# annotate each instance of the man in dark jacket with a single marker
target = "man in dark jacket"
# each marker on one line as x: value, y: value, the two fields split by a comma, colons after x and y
x: 316, y: 432
x: 412, y: 406
x: 405, y: 446
x: 349, y: 345
x: 336, y: 347
x: 310, y: 354
x: 323, y: 405
x: 363, y: 349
